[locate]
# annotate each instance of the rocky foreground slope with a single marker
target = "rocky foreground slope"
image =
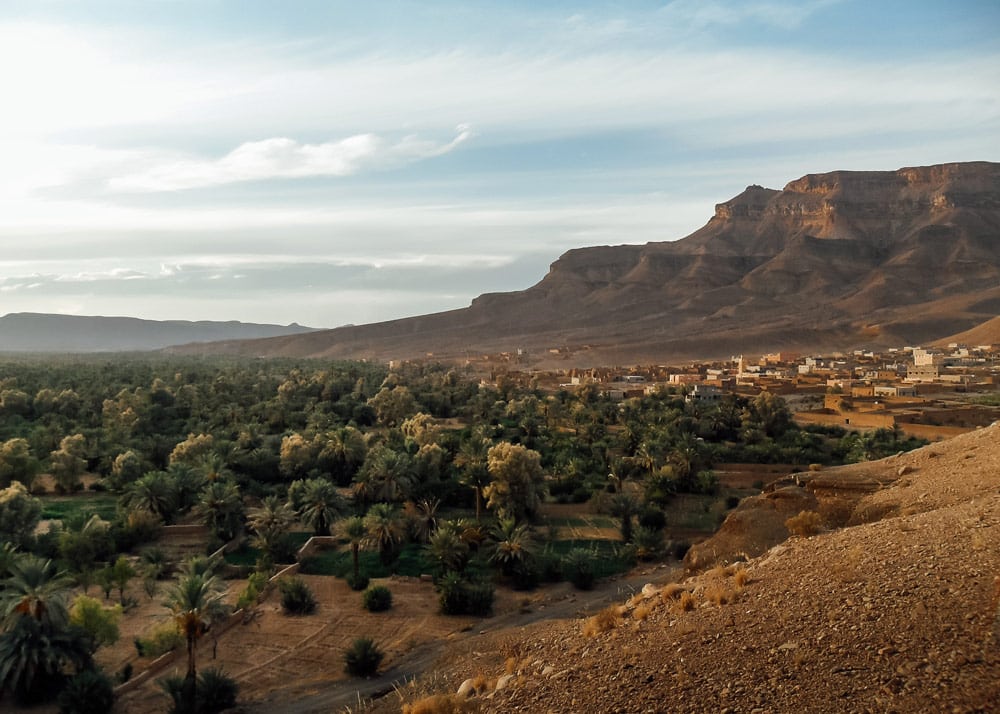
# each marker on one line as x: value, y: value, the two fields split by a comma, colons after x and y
x: 833, y: 261
x: 899, y: 612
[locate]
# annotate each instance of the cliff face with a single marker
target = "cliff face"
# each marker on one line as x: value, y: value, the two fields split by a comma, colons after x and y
x: 836, y: 260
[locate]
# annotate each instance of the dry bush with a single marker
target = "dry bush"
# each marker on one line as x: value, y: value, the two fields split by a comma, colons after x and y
x: 642, y: 612
x: 718, y: 572
x: 807, y: 523
x: 442, y: 704
x: 815, y: 467
x: 740, y: 578
x: 719, y: 593
x: 510, y: 665
x: 672, y: 590
x: 607, y: 619
x: 481, y: 683
x: 686, y: 601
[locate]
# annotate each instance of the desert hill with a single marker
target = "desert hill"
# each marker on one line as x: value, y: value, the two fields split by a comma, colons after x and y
x: 899, y: 611
x: 35, y: 332
x: 832, y: 261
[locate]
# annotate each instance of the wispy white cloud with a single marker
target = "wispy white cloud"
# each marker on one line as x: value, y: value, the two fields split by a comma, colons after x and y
x: 284, y: 158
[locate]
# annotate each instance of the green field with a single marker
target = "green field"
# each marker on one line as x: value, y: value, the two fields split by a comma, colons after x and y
x: 60, y: 507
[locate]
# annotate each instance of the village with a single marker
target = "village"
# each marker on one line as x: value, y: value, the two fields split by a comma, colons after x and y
x: 923, y: 392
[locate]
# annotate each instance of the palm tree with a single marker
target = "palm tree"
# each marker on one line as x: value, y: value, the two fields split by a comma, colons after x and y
x: 37, y: 590
x: 354, y: 531
x: 35, y: 659
x: 220, y: 508
x: 448, y: 549
x: 386, y: 476
x: 625, y: 506
x: 319, y: 505
x: 343, y: 453
x: 423, y: 518
x: 271, y: 521
x: 213, y: 467
x: 152, y: 492
x: 513, y: 546
x: 471, y: 459
x: 195, y: 600
x: 385, y: 531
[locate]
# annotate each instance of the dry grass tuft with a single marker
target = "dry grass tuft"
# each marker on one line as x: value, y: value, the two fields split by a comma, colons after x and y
x: 740, y: 578
x: 719, y: 594
x: 672, y: 591
x: 642, y: 612
x: 606, y: 620
x: 807, y: 523
x: 718, y: 572
x: 442, y: 704
x: 686, y: 601
x: 481, y: 683
x: 510, y: 665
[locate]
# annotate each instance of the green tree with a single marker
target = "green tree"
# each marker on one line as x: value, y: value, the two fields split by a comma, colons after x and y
x: 17, y: 463
x: 517, y: 481
x: 100, y: 623
x: 122, y: 571
x: 126, y: 468
x: 67, y: 463
x: 20, y: 513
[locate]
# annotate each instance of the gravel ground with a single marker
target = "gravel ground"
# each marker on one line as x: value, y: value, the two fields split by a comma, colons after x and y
x: 898, y: 614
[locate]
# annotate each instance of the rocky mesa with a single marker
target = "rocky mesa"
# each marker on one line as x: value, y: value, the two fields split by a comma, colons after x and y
x: 838, y: 260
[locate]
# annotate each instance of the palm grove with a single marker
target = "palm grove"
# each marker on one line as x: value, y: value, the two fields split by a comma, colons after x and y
x: 418, y: 468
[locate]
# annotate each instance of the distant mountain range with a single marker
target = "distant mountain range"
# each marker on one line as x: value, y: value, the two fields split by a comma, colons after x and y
x: 833, y: 261
x: 36, y: 332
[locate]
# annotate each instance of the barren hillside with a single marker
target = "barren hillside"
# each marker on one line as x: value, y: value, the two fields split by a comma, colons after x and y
x: 899, y: 614
x: 833, y: 261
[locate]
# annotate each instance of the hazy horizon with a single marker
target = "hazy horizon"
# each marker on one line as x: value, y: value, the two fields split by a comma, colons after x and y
x: 326, y: 164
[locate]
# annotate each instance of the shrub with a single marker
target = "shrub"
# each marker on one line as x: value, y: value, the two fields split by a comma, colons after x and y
x: 89, y: 692
x: 526, y: 576
x: 550, y: 566
x: 377, y: 598
x: 807, y: 523
x: 161, y: 639
x: 653, y: 518
x: 363, y: 657
x: 480, y: 598
x: 296, y: 597
x: 578, y: 567
x: 648, y: 543
x: 458, y: 597
x: 357, y: 584
x: 215, y: 692
x: 256, y: 582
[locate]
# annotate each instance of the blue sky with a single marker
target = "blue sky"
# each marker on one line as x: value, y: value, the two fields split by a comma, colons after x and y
x: 328, y: 163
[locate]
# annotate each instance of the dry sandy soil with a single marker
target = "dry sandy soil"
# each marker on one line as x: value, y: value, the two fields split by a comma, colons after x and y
x: 896, y: 615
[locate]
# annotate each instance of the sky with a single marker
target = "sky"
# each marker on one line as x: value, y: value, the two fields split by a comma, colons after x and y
x: 334, y: 163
